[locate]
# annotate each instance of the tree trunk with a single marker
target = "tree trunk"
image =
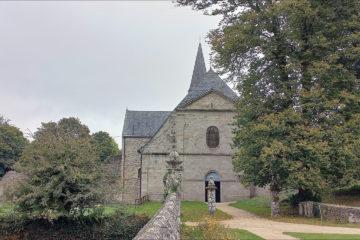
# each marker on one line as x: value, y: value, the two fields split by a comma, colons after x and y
x: 252, y: 190
x: 275, y: 204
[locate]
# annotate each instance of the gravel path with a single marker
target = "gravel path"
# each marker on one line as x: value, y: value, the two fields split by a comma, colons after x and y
x: 272, y: 230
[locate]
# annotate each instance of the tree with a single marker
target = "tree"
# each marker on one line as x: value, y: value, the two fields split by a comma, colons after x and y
x: 63, y: 169
x: 295, y: 63
x: 327, y: 54
x: 105, y: 145
x: 12, y: 144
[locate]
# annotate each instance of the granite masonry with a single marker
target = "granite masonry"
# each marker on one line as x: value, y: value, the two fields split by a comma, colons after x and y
x: 166, y: 222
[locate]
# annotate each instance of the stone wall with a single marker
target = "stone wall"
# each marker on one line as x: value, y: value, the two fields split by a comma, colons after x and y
x: 330, y: 212
x: 8, y: 185
x: 189, y: 128
x: 131, y: 164
x: 166, y: 222
x: 212, y: 101
x: 342, y: 214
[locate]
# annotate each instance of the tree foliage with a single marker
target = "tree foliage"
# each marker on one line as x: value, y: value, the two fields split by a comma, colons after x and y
x: 105, y: 146
x: 296, y: 65
x: 12, y: 143
x: 63, y: 170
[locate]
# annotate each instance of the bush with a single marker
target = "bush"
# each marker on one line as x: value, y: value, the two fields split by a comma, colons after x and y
x: 209, y: 229
x: 12, y: 144
x: 350, y: 190
x: 123, y: 226
x: 11, y: 224
x: 63, y: 172
x: 118, y: 226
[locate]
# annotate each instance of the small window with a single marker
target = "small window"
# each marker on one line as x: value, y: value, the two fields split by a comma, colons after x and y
x: 139, y: 173
x: 212, y: 137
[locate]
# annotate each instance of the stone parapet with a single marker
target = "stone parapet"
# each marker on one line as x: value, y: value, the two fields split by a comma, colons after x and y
x: 166, y: 222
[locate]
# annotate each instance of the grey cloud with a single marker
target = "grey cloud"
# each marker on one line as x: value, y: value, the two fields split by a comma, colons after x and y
x: 93, y: 60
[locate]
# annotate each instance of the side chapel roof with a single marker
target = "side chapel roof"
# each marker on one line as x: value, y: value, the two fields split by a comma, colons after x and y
x: 143, y: 123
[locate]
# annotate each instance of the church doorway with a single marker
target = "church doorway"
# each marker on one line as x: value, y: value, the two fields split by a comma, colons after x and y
x: 215, y: 176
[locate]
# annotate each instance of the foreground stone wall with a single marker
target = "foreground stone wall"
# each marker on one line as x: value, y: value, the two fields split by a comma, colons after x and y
x: 166, y: 222
x: 330, y: 212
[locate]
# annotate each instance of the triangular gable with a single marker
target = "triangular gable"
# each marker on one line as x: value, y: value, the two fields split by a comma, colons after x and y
x: 209, y: 100
x: 163, y: 140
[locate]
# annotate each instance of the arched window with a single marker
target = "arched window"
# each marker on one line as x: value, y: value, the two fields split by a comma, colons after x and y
x: 212, y: 137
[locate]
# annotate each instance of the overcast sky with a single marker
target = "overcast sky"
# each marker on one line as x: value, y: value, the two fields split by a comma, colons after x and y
x: 92, y: 60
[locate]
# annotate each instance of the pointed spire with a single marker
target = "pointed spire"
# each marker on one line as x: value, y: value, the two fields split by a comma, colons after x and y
x: 199, y: 68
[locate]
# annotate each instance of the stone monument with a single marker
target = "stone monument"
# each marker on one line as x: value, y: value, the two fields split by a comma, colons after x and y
x: 172, y: 178
x: 211, y: 196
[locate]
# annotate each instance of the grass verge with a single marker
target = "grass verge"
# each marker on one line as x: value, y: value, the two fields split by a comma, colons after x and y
x: 192, y: 211
x: 149, y: 208
x: 260, y: 206
x: 320, y: 236
x: 190, y: 233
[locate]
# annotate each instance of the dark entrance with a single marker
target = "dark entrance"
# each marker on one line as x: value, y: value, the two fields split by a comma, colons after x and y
x: 217, y: 191
x: 215, y: 176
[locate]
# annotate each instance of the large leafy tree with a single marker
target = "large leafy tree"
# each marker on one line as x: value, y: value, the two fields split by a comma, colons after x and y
x: 63, y: 169
x: 12, y: 144
x: 105, y: 146
x: 296, y: 65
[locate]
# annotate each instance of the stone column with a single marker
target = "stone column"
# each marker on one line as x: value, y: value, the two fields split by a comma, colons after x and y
x: 211, y: 196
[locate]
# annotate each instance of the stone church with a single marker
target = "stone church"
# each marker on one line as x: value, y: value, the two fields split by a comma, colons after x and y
x: 199, y: 129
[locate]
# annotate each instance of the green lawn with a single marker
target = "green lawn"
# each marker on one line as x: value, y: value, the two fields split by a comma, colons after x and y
x: 192, y: 211
x: 149, y: 208
x: 6, y: 209
x: 240, y: 234
x: 190, y: 233
x: 261, y: 206
x: 320, y: 236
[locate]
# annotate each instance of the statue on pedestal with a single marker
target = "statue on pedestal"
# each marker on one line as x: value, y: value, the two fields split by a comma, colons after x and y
x: 172, y: 178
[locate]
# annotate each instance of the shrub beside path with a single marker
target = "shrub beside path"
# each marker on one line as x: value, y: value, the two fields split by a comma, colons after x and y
x: 273, y: 230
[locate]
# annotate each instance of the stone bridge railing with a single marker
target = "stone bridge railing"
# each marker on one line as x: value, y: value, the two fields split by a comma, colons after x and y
x: 166, y: 222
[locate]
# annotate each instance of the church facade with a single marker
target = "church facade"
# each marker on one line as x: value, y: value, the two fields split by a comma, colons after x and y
x: 199, y: 129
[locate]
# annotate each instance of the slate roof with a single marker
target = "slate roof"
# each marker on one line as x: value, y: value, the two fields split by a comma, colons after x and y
x: 203, y: 83
x: 199, y: 68
x: 143, y: 123
x: 211, y: 82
